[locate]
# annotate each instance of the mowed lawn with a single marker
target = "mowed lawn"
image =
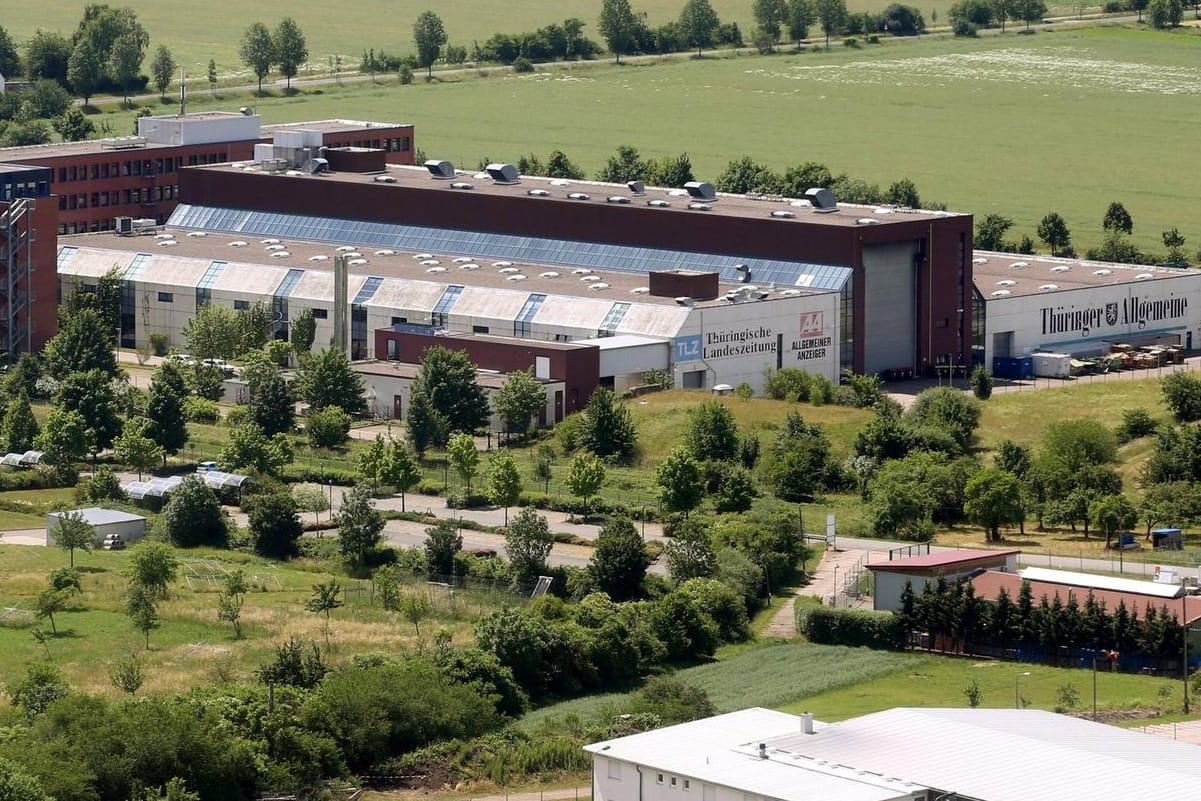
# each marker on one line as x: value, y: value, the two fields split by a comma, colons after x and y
x: 1017, y: 125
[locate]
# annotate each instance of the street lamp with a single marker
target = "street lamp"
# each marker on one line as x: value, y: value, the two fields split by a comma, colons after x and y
x: 835, y: 597
x: 1184, y: 638
x: 1017, y: 693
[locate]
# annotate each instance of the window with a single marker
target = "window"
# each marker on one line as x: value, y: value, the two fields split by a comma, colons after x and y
x: 479, y: 329
x: 659, y: 780
x: 438, y: 320
x: 320, y: 314
x: 673, y: 781
x: 687, y: 784
x: 562, y: 337
x: 241, y: 305
x: 399, y: 320
x: 166, y: 297
x: 614, y: 769
x: 521, y: 330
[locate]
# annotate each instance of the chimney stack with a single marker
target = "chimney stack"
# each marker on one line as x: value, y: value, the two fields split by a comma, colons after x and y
x: 807, y: 723
x: 763, y: 750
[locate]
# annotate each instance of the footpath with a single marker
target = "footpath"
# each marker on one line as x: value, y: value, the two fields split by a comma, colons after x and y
x: 827, y: 581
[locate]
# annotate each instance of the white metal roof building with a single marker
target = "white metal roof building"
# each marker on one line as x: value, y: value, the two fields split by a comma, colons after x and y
x: 910, y: 754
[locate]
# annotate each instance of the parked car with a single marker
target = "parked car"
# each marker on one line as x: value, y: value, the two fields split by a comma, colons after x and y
x: 222, y: 365
x: 206, y: 467
x: 184, y: 359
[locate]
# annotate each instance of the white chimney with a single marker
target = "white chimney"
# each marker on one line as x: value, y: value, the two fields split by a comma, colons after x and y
x: 763, y: 750
x: 807, y: 723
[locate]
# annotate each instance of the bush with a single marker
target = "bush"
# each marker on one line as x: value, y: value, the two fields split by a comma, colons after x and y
x: 852, y: 627
x: 159, y: 344
x: 1182, y: 393
x: 850, y: 41
x: 406, y: 75
x: 321, y: 475
x: 327, y: 428
x: 522, y: 64
x: 873, y: 39
x: 1135, y: 423
x: 237, y: 416
x: 961, y: 27
x: 981, y: 383
x: 201, y: 410
x: 35, y: 479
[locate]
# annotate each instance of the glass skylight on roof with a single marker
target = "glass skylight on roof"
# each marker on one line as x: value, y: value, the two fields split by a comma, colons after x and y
x: 211, y: 274
x: 65, y: 253
x: 135, y: 266
x: 289, y: 283
x: 449, y: 296
x: 510, y: 247
x: 368, y: 291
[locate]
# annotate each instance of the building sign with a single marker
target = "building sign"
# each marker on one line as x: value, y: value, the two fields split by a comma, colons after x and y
x: 732, y: 343
x: 1130, y: 312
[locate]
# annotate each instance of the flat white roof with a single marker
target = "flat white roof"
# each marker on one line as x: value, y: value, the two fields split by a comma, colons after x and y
x: 706, y: 750
x: 1100, y: 582
x: 622, y: 341
x: 96, y: 516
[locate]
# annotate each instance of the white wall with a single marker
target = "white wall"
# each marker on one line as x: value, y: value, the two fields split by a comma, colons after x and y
x: 381, y: 392
x: 1086, y: 322
x: 129, y: 530
x: 738, y: 342
x: 614, y: 780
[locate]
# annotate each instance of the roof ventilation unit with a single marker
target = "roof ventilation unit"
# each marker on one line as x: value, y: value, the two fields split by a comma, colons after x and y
x: 539, y: 192
x: 1060, y: 268
x: 385, y: 252
x: 462, y: 259
x: 385, y: 179
x: 578, y: 196
x: 1019, y: 265
x: 790, y: 293
x: 1143, y: 276
x: 1049, y: 287
x: 423, y: 256
x: 1007, y: 282
x: 502, y: 173
x: 617, y: 199
x: 636, y: 187
x: 469, y: 266
x: 598, y: 286
x: 783, y: 215
x: 640, y: 290
x: 462, y: 185
x: 700, y: 207
x: 684, y: 300
x: 658, y: 204
x: 979, y: 260
x: 1000, y: 293
x: 867, y: 221
x: 548, y: 274
x: 517, y: 277
x: 502, y: 264
x: 822, y: 200
x: 1102, y: 271
x: 442, y: 170
x: 701, y: 190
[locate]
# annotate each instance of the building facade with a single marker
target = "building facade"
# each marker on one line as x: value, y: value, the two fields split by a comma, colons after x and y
x: 28, y: 307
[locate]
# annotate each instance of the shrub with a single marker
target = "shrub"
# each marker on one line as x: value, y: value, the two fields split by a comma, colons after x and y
x: 1135, y: 423
x: 1182, y: 393
x: 327, y: 428
x: 237, y: 416
x: 159, y: 343
x: 961, y: 27
x: 522, y: 64
x: 850, y: 41
x: 201, y: 410
x: 873, y: 39
x: 981, y: 383
x: 406, y: 75
x: 852, y: 627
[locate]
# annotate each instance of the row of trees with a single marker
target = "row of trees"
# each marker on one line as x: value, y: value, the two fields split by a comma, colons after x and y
x: 262, y: 49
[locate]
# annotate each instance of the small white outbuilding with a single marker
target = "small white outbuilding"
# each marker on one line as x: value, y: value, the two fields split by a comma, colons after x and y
x: 129, y: 527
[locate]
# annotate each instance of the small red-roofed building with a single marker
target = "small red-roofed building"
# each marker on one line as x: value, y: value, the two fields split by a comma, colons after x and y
x: 891, y: 577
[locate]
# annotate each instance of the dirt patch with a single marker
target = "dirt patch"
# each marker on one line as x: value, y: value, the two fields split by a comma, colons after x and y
x: 1118, y: 715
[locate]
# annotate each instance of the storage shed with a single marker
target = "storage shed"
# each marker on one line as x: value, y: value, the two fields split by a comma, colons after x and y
x: 129, y: 527
x: 891, y: 577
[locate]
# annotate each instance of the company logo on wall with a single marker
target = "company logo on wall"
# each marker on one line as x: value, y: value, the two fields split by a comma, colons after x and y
x: 813, y: 324
x: 1134, y: 312
x: 738, y: 342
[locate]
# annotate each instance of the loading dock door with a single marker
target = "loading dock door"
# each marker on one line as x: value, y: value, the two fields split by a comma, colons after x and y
x: 890, y: 308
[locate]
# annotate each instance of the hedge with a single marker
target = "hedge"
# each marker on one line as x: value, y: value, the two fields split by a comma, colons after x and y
x: 851, y: 627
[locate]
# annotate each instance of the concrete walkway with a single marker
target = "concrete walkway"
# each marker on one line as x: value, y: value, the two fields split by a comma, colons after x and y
x: 827, y: 581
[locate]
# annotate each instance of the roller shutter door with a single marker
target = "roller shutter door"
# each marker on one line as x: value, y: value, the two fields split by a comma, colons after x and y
x: 890, y: 307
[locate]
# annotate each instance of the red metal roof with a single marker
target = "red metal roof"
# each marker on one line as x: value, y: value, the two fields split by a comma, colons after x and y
x: 988, y: 586
x: 944, y: 559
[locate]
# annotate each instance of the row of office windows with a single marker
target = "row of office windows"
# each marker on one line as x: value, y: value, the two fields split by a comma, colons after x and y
x: 395, y: 144
x: 130, y: 167
x: 117, y: 197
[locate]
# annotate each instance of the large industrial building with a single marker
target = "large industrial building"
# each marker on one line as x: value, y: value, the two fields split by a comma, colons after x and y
x: 894, y: 755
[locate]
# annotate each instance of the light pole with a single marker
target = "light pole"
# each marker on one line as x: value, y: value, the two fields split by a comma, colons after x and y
x: 835, y: 597
x: 1017, y: 693
x: 1184, y: 639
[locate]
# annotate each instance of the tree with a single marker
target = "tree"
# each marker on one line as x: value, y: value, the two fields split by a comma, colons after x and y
x: 607, y: 428
x: 212, y: 333
x: 65, y: 439
x: 745, y: 176
x: 618, y: 26
x: 690, y: 553
x: 800, y: 17
x: 289, y: 48
x: 559, y: 166
x: 47, y: 55
x: 212, y: 76
x: 1182, y: 394
x: 428, y: 35
x: 442, y: 544
x: 832, y: 14
x: 193, y: 516
x: 712, y: 432
x: 585, y: 476
x: 504, y: 482
x: 126, y: 674
x: 770, y: 16
x: 619, y: 560
x: 1080, y: 442
x: 135, y: 447
x: 981, y: 383
x: 229, y: 602
x: 735, y: 490
x: 528, y: 543
x: 142, y: 608
x: 448, y: 377
x: 990, y: 232
x: 1002, y: 10
x: 680, y: 482
x: 42, y: 685
x: 386, y: 581
x: 304, y: 332
x: 464, y: 459
x: 415, y: 607
x: 1113, y: 514
x: 91, y: 394
x: 10, y: 60
x: 902, y: 20
x: 250, y: 449
x: 698, y: 24
x: 126, y: 60
x: 1165, y: 13
x: 1053, y: 230
x: 1117, y: 219
x: 324, y: 600
x: 903, y: 193
x: 359, y: 524
x: 165, y: 407
x: 85, y: 69
x: 274, y: 524
x: 624, y: 165
x: 73, y: 533
x: 163, y: 69
x: 1030, y: 11
x: 327, y: 428
x: 73, y: 126
x: 518, y: 401
x: 310, y: 498
x: 327, y: 379
x: 994, y: 499
x: 48, y: 603
x: 1173, y: 240
x: 272, y: 406
x: 258, y: 51
x: 399, y: 469
x: 946, y: 409
x: 81, y: 344
x: 20, y: 426
x: 426, y: 427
